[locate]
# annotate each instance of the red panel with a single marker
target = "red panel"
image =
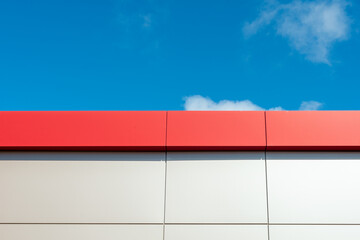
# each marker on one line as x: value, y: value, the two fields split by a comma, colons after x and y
x: 83, y: 130
x: 226, y: 130
x: 145, y: 131
x: 320, y: 130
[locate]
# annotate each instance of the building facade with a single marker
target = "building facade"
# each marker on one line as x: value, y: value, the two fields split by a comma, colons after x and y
x: 180, y: 175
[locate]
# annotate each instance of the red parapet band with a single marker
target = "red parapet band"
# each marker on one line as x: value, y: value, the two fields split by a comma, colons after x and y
x: 180, y: 131
x: 83, y: 130
x: 313, y: 130
x: 216, y: 130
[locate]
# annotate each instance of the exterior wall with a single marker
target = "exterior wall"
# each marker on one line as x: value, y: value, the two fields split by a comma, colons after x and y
x: 314, y: 195
x: 315, y: 232
x: 215, y: 232
x: 81, y: 195
x: 218, y: 187
x: 82, y: 188
x: 314, y: 188
x: 180, y: 195
x: 80, y: 231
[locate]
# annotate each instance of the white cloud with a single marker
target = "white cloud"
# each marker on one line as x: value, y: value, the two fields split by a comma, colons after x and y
x: 312, y: 27
x: 310, y: 105
x: 200, y: 103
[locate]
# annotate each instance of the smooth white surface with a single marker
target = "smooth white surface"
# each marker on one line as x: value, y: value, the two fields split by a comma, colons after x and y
x: 307, y: 187
x: 216, y: 232
x: 333, y: 232
x: 82, y: 188
x: 216, y: 187
x: 80, y: 232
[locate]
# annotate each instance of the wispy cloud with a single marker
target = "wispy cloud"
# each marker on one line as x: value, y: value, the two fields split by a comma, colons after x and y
x: 310, y: 105
x: 311, y: 27
x: 140, y: 22
x: 200, y: 103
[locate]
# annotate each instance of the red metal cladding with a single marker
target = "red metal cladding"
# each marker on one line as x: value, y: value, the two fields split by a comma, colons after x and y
x: 202, y: 130
x: 205, y: 130
x: 83, y: 130
x: 313, y: 130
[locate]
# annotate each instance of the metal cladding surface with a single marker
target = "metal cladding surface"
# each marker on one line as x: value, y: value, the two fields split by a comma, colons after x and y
x: 205, y: 130
x: 313, y: 130
x: 83, y: 130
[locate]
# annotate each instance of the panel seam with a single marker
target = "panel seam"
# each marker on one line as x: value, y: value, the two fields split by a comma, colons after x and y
x: 265, y: 131
x: 166, y: 133
x: 266, y: 182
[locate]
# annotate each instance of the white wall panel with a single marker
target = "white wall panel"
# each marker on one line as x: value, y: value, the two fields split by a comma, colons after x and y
x: 216, y: 232
x: 216, y: 187
x: 313, y: 232
x: 87, y: 187
x: 307, y: 187
x: 80, y: 231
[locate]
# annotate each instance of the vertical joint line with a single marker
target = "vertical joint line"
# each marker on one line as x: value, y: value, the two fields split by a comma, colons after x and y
x: 267, y: 198
x: 266, y: 182
x: 265, y: 132
x: 165, y: 196
x: 166, y: 128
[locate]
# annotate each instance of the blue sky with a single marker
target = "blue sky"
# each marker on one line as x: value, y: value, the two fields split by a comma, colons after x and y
x: 175, y: 55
